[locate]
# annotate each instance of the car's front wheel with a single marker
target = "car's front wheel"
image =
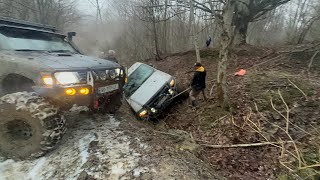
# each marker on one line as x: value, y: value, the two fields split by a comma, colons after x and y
x: 29, y: 125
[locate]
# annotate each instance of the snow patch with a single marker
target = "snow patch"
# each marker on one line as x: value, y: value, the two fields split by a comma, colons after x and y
x: 139, y: 171
x: 77, y: 109
x: 84, y: 147
x: 34, y: 172
x: 112, y: 159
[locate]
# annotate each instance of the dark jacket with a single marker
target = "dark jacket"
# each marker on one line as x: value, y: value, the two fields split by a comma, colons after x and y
x: 112, y: 58
x: 199, y: 79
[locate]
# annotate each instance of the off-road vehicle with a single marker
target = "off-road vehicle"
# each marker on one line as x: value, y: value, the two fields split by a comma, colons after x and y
x: 149, y: 91
x: 43, y: 73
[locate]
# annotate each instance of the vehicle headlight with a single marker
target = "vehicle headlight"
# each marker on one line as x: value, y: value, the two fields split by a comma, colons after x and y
x: 111, y: 73
x: 118, y: 72
x: 153, y: 110
x: 172, y: 83
x: 143, y: 113
x: 171, y: 91
x: 102, y: 75
x: 65, y: 78
x: 47, y: 80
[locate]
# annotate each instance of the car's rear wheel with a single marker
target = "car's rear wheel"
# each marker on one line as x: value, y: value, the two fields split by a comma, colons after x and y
x: 29, y: 125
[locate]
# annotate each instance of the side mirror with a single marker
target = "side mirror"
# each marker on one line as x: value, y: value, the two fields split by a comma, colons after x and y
x: 71, y: 35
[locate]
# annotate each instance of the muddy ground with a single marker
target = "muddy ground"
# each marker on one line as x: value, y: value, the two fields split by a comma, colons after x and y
x: 110, y: 147
x: 178, y: 145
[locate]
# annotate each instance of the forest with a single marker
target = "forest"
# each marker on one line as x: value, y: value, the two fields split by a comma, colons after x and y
x: 263, y: 125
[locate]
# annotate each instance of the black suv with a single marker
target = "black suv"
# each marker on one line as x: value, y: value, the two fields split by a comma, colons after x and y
x: 41, y: 73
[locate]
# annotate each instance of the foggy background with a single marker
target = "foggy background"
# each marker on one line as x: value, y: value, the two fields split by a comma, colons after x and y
x: 137, y: 32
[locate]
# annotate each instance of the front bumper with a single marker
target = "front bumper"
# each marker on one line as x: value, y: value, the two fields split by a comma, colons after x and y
x: 159, y: 102
x: 94, y: 99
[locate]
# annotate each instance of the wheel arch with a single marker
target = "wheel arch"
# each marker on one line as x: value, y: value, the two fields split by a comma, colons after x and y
x: 6, y: 81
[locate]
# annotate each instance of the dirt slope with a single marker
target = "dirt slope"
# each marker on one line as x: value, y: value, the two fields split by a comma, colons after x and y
x: 251, y: 117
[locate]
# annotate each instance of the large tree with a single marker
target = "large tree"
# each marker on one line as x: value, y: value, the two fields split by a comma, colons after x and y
x: 233, y: 21
x: 244, y: 12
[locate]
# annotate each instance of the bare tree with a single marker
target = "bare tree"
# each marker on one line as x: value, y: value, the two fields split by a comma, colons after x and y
x: 246, y: 11
x: 234, y: 22
x: 54, y: 12
x: 193, y: 37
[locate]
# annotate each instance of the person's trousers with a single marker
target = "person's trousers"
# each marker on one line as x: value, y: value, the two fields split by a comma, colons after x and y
x: 194, y: 94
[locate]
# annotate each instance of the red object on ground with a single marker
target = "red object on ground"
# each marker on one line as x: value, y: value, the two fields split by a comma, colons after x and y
x: 242, y: 72
x: 96, y: 104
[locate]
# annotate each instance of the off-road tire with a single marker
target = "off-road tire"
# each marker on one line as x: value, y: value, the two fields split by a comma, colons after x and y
x: 29, y: 125
x: 114, y: 103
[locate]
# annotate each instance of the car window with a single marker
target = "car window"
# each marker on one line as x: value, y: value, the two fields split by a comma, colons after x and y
x: 137, y: 78
x: 20, y: 39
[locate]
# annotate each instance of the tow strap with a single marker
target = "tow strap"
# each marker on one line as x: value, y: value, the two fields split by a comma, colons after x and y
x: 181, y: 93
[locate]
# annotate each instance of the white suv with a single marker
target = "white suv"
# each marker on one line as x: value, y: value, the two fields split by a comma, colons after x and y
x: 149, y: 91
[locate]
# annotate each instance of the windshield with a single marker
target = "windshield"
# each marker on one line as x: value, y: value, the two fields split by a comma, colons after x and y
x: 137, y: 78
x: 29, y: 40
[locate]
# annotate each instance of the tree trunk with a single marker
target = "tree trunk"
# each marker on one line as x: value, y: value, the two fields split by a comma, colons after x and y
x: 155, y: 32
x: 165, y: 28
x: 226, y: 39
x: 222, y: 69
x: 240, y: 31
x: 306, y: 29
x: 191, y: 22
x: 196, y: 46
x: 193, y: 34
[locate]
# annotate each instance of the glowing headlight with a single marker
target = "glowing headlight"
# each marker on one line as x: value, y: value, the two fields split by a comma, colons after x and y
x: 118, y: 71
x: 171, y: 91
x: 143, y: 113
x: 153, y: 110
x: 47, y: 80
x: 172, y: 83
x: 67, y: 77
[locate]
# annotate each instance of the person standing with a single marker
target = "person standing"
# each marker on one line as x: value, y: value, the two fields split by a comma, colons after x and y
x: 112, y: 56
x: 208, y: 42
x: 198, y: 83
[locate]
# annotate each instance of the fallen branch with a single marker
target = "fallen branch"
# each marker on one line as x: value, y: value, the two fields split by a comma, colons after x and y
x: 287, y: 126
x: 221, y: 118
x: 287, y: 111
x: 311, y: 60
x: 244, y: 145
x: 211, y: 90
x: 301, y: 50
x: 311, y: 166
x: 305, y: 95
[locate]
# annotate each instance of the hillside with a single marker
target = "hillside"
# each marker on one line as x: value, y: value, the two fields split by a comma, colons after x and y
x: 277, y: 91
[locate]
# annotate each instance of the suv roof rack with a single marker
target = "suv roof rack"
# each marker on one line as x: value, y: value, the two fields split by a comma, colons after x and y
x: 21, y: 23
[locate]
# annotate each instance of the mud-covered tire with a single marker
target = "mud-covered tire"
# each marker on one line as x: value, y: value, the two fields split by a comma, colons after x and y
x: 114, y: 103
x: 29, y: 125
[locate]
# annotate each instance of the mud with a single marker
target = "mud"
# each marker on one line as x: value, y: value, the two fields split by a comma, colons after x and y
x: 107, y: 147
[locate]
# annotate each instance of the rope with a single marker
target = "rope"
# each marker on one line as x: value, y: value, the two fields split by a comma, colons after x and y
x: 180, y: 93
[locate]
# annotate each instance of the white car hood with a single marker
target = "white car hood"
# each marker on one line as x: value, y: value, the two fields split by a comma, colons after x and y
x: 148, y: 89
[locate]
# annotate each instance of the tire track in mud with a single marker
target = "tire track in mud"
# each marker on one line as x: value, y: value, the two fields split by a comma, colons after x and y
x: 105, y: 147
x: 98, y: 147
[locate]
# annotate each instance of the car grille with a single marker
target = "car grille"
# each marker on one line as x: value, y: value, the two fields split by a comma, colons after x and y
x: 105, y: 75
x: 161, y: 94
x: 99, y: 76
x: 83, y: 76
